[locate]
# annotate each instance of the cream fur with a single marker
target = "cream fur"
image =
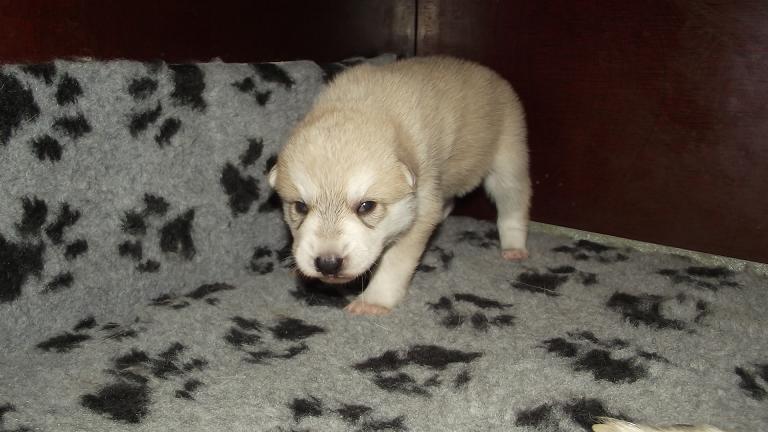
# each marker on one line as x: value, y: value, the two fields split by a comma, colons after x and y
x: 409, y: 136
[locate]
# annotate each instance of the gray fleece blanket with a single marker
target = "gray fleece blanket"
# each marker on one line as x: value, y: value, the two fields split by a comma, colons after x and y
x: 144, y: 286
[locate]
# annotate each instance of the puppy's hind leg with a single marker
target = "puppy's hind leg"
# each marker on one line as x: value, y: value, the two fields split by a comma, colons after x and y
x: 509, y: 186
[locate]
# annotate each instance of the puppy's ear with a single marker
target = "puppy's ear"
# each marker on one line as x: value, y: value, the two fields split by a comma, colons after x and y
x: 272, y: 176
x: 410, y: 177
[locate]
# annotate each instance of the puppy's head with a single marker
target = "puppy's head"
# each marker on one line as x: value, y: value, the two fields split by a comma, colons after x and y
x: 347, y: 193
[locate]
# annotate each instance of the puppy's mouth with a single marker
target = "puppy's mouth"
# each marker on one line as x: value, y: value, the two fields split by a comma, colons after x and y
x: 336, y: 279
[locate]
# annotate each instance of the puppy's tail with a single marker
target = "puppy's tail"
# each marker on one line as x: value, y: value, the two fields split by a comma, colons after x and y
x: 613, y: 425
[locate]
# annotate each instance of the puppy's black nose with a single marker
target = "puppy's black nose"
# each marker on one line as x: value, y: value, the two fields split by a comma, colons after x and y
x: 328, y: 265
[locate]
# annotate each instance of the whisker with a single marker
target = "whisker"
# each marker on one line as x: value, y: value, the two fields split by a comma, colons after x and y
x: 535, y: 286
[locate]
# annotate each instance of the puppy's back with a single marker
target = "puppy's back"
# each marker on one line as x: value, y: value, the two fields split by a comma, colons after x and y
x: 418, y: 82
x: 454, y: 111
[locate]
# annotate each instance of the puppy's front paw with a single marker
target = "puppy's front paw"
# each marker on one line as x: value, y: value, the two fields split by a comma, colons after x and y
x: 514, y: 254
x: 360, y: 307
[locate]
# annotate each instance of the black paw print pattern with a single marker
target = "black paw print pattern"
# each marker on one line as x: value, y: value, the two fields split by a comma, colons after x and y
x: 261, y: 260
x: 87, y: 329
x: 205, y: 293
x: 17, y: 106
x: 679, y: 312
x: 486, y: 240
x: 702, y: 277
x: 435, y: 258
x: 312, y: 292
x: 264, y: 260
x: 581, y: 412
x: 6, y: 408
x: 175, y: 234
x: 261, y: 344
x: 753, y: 380
x: 269, y: 75
x: 418, y: 370
x: 136, y: 376
x: 188, y: 88
x: 585, y: 250
x: 548, y: 282
x: 39, y: 235
x: 360, y: 418
x: 469, y: 309
x: 69, y: 124
x: 330, y: 70
x: 242, y: 189
x: 613, y: 361
x: 273, y: 202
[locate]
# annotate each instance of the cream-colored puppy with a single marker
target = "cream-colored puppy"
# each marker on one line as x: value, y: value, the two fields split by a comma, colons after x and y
x: 373, y: 169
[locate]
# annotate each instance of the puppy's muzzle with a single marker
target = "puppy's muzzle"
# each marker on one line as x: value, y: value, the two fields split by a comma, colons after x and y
x: 329, y: 265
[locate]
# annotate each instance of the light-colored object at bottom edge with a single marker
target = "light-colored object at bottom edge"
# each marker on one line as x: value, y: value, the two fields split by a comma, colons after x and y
x: 613, y: 425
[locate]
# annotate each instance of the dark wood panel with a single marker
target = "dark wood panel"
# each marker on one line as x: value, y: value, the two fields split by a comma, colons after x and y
x: 179, y: 30
x: 647, y: 119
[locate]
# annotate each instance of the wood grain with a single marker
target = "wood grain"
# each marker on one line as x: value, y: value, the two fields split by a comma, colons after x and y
x: 647, y: 119
x: 179, y: 31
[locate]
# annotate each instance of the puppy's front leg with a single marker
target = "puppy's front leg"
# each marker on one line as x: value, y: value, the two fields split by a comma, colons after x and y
x: 393, y: 275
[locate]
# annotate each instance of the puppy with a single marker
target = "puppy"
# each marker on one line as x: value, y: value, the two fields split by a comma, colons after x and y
x: 373, y: 168
x: 613, y: 425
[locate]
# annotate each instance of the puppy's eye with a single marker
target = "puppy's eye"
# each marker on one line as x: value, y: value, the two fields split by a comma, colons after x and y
x: 301, y: 208
x: 366, y: 207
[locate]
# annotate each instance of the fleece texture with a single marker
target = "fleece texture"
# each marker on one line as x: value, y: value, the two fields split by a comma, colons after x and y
x: 145, y: 286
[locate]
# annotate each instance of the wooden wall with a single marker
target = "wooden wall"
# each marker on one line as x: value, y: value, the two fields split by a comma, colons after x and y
x: 185, y: 30
x: 648, y: 119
